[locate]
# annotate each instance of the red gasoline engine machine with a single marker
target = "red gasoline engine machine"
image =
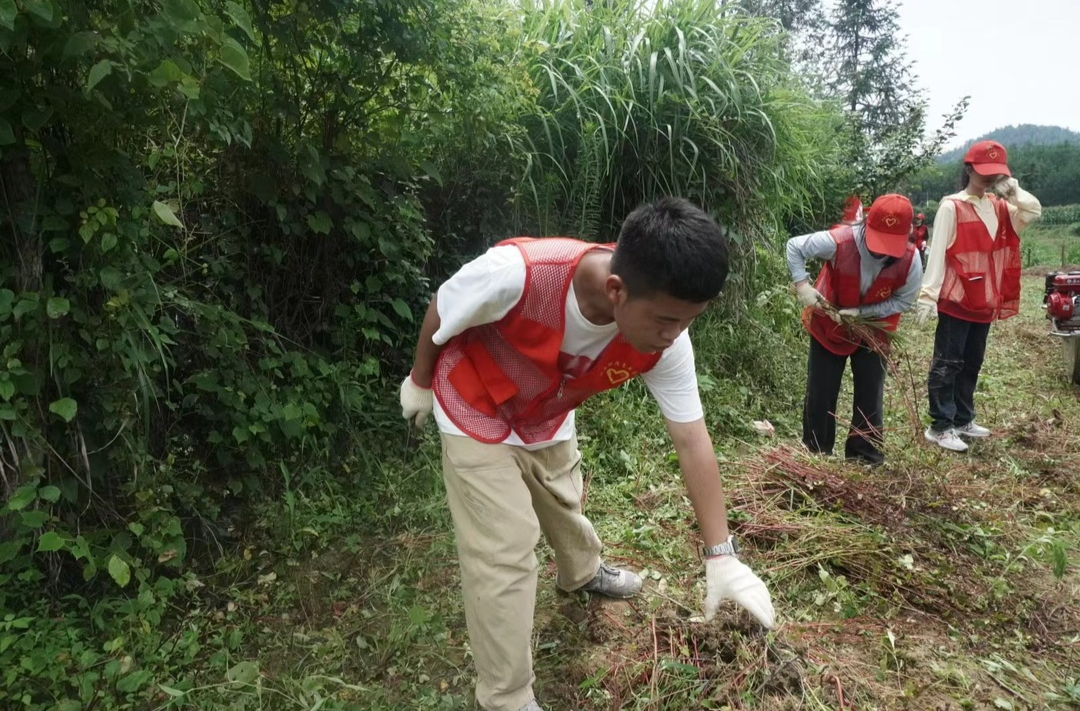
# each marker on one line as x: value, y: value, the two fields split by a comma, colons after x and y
x: 1062, y: 300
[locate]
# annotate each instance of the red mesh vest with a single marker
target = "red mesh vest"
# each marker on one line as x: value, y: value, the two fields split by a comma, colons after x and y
x: 839, y: 283
x: 982, y: 275
x: 504, y: 376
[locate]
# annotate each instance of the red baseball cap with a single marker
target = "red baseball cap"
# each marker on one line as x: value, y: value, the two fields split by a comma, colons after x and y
x: 888, y: 225
x: 988, y: 158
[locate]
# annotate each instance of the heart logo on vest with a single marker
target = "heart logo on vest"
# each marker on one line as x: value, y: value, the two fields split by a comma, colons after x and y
x: 617, y: 375
x: 891, y: 219
x: 884, y: 293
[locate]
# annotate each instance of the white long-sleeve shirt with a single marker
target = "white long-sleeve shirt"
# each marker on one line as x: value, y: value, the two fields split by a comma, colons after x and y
x: 1024, y: 208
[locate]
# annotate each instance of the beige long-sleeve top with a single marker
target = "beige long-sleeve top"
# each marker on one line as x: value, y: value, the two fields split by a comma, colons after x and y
x: 1024, y: 208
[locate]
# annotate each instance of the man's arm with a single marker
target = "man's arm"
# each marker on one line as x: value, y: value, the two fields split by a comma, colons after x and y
x: 726, y: 577
x: 427, y: 351
x: 701, y: 473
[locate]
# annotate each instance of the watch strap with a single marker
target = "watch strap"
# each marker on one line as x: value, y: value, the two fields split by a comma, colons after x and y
x: 728, y: 547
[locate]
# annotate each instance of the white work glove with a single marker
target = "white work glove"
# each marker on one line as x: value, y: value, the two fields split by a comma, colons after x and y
x: 924, y: 312
x: 416, y: 402
x: 726, y: 577
x: 1006, y: 187
x: 849, y: 313
x: 808, y: 295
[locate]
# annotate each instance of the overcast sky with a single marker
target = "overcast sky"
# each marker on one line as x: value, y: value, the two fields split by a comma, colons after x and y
x: 1017, y: 59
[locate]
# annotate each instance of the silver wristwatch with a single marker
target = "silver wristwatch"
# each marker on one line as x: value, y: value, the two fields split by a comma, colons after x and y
x: 728, y: 547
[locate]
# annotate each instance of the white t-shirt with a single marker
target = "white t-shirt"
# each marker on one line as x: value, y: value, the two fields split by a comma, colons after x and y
x: 485, y: 290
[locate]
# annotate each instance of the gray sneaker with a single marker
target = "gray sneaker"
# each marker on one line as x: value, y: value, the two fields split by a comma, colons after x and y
x: 531, y: 706
x: 613, y: 582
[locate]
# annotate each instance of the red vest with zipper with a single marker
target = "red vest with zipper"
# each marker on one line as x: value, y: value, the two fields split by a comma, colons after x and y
x: 840, y: 281
x: 505, y: 376
x: 982, y: 275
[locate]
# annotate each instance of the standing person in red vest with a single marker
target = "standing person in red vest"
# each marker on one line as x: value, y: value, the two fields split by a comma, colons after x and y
x: 870, y: 272
x: 972, y: 279
x: 510, y: 345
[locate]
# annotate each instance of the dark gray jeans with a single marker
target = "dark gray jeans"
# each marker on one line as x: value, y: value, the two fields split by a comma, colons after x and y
x: 959, y: 349
x: 824, y: 371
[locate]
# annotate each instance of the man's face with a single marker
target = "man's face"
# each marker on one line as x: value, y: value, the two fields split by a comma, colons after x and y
x: 651, y: 323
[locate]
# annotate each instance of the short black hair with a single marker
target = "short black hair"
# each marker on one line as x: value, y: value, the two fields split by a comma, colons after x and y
x: 674, y: 247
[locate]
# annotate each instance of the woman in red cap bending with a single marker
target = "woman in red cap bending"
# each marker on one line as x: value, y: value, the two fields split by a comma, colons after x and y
x: 870, y: 272
x: 972, y: 279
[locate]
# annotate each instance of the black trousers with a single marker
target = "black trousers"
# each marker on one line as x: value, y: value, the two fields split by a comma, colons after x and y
x: 959, y: 349
x: 824, y: 372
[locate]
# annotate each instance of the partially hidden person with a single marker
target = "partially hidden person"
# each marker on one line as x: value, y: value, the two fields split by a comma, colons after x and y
x: 919, y: 233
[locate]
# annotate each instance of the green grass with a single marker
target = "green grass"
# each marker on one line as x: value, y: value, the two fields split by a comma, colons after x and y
x: 936, y: 581
x: 1052, y: 246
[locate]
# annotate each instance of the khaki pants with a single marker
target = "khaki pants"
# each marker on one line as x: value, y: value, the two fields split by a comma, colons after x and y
x: 501, y: 498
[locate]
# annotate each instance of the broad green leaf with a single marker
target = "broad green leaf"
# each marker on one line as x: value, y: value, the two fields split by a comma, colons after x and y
x: 8, y: 12
x: 57, y: 306
x: 320, y: 223
x: 98, y: 72
x: 166, y: 73
x: 33, y: 519
x: 34, y: 119
x: 166, y: 214
x: 44, y: 10
x: 243, y: 673
x: 183, y: 13
x: 7, y: 135
x: 7, y: 297
x: 8, y: 96
x: 28, y: 303
x: 8, y: 550
x: 49, y: 493
x: 65, y: 407
x: 22, y: 497
x: 432, y: 172
x: 119, y: 570
x: 79, y: 44
x: 175, y: 693
x: 50, y: 542
x: 108, y: 241
x: 7, y: 389
x: 235, y: 58
x: 402, y: 309
x: 240, y: 16
x: 111, y: 278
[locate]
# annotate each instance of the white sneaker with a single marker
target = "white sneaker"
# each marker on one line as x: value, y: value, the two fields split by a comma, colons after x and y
x: 531, y: 706
x: 972, y: 430
x: 947, y: 439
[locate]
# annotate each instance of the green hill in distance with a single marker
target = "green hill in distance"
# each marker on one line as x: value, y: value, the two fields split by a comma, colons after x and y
x: 1014, y: 136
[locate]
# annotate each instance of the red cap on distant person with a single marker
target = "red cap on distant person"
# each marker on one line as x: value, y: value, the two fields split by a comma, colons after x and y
x: 888, y: 224
x: 988, y: 158
x: 921, y: 216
